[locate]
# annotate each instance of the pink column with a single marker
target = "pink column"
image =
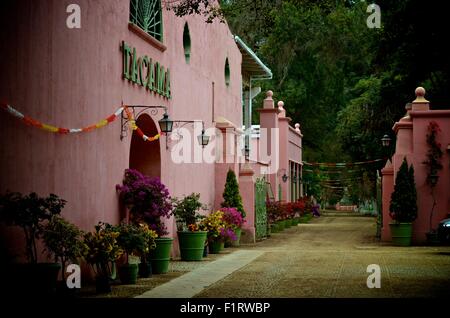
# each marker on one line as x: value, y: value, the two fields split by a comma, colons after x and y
x: 269, y: 128
x: 247, y: 190
x: 283, y: 125
x: 387, y: 188
x: 226, y: 158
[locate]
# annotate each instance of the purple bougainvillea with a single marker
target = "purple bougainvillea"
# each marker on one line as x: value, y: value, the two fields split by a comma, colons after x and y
x: 233, y: 217
x: 227, y: 233
x: 147, y: 198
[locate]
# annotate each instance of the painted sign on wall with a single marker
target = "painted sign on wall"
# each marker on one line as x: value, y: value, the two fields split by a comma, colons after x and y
x: 143, y: 71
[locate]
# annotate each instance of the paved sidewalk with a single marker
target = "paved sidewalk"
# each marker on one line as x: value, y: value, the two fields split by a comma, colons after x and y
x: 196, y: 281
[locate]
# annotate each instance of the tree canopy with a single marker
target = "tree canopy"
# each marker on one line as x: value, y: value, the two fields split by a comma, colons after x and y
x: 345, y: 83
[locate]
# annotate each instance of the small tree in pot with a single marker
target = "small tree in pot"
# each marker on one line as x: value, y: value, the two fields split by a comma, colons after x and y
x: 190, y: 238
x: 31, y: 213
x: 403, y: 205
x: 134, y: 240
x: 64, y: 241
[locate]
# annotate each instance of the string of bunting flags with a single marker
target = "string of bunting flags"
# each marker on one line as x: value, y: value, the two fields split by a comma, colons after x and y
x: 340, y: 164
x: 60, y: 130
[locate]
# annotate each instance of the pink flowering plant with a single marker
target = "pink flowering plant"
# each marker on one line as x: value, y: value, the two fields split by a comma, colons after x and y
x: 233, y: 217
x: 218, y: 229
x: 147, y: 198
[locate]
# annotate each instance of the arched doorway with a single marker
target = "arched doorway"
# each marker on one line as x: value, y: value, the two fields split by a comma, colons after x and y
x: 145, y: 156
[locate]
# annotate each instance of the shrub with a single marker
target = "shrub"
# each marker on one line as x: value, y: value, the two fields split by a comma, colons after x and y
x: 403, y: 206
x: 231, y: 196
x: 64, y: 240
x: 147, y: 198
x: 31, y: 213
x: 102, y: 248
x: 186, y: 211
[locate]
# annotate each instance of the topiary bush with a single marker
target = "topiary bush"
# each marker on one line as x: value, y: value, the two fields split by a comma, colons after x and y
x: 403, y: 206
x: 231, y: 196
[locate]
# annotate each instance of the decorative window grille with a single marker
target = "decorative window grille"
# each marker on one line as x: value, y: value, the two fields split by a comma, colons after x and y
x: 147, y: 15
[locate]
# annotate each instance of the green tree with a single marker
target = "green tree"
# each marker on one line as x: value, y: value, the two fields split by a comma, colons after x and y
x: 231, y: 196
x: 403, y: 205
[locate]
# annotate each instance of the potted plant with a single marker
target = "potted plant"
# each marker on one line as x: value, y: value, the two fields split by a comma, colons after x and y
x: 433, y: 164
x: 403, y: 205
x: 30, y: 213
x: 145, y: 266
x: 64, y: 241
x: 217, y: 230
x: 234, y: 220
x: 102, y: 252
x: 190, y: 238
x: 149, y: 202
x: 134, y: 240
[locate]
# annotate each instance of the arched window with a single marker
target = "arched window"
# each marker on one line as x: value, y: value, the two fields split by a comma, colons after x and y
x: 227, y: 72
x: 147, y: 15
x: 187, y: 43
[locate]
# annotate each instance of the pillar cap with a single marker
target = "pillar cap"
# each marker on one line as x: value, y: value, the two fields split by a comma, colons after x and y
x: 269, y: 94
x: 297, y: 127
x: 280, y: 105
x: 420, y: 95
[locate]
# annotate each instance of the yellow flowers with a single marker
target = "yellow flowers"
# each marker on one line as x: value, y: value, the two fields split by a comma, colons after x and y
x: 213, y: 223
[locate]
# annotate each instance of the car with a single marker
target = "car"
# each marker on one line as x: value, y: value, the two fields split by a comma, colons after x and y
x: 444, y: 231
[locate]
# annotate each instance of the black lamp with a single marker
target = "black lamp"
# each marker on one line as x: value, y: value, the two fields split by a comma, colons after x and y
x: 165, y: 124
x: 284, y: 177
x: 203, y: 139
x: 386, y: 141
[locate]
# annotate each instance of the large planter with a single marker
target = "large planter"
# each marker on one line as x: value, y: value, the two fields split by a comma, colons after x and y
x: 160, y: 256
x: 192, y: 245
x: 128, y: 274
x: 216, y: 246
x: 401, y: 233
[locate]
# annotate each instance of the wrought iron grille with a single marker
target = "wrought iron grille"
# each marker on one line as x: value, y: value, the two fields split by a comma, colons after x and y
x: 260, y: 208
x: 147, y: 15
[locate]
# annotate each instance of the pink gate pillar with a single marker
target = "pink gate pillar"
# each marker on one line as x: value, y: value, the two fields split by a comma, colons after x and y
x: 226, y: 154
x: 247, y: 190
x: 283, y: 124
x: 388, y: 187
x: 269, y: 131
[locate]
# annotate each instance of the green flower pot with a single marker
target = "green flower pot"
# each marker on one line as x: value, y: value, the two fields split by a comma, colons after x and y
x: 401, y: 233
x: 215, y: 247
x: 160, y: 256
x: 192, y: 245
x: 238, y: 233
x: 128, y: 274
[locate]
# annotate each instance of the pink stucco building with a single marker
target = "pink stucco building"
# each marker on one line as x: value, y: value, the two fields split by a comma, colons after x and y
x: 73, y: 77
x: 411, y: 131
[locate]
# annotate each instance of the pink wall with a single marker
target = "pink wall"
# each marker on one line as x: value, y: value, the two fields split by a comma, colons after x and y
x: 411, y: 143
x: 73, y: 78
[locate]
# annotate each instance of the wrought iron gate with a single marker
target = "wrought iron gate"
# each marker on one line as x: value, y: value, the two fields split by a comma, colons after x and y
x: 260, y: 208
